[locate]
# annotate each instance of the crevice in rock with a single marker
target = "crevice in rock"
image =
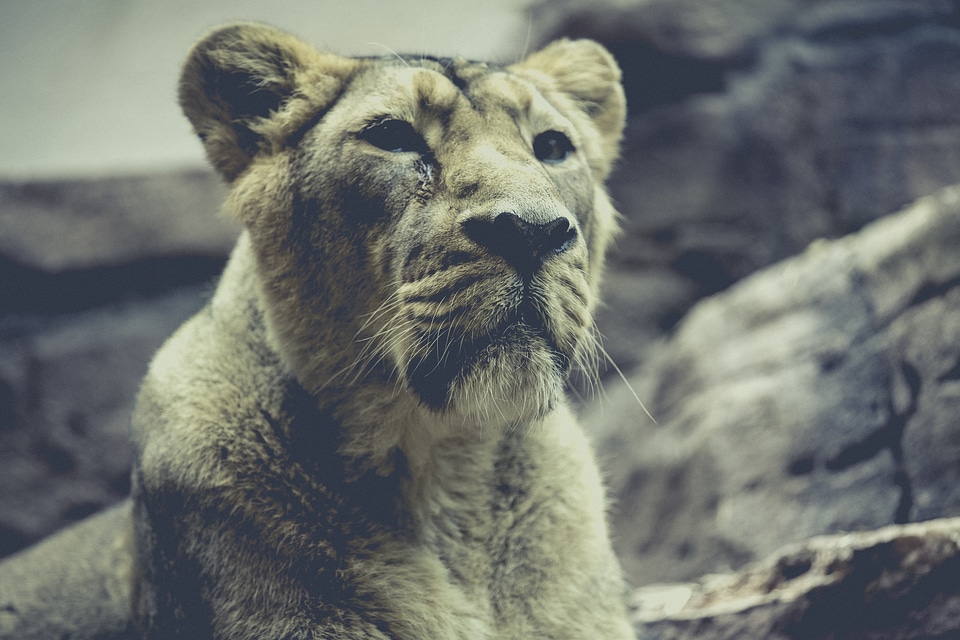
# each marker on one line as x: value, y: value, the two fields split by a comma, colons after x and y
x: 952, y: 374
x: 931, y: 290
x: 791, y: 568
x: 859, y: 452
x: 890, y: 437
x: 885, y: 594
x: 802, y: 465
x: 898, y: 426
x: 30, y: 290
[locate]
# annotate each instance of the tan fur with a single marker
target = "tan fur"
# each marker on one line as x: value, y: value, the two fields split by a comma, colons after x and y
x: 76, y: 584
x: 364, y: 434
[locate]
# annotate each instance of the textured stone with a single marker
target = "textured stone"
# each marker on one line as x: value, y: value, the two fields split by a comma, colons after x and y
x: 66, y: 395
x: 57, y: 226
x: 896, y: 583
x: 94, y: 275
x: 76, y: 244
x: 818, y: 395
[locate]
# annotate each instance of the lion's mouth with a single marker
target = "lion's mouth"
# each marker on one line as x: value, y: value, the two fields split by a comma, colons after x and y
x: 452, y: 356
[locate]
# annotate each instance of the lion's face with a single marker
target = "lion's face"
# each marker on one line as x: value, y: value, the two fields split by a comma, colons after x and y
x: 438, y: 225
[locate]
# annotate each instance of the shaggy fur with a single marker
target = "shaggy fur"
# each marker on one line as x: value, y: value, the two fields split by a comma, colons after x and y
x: 364, y: 434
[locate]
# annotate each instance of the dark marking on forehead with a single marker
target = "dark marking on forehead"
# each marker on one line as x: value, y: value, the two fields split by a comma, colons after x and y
x: 512, y: 96
x: 447, y: 68
x: 461, y: 72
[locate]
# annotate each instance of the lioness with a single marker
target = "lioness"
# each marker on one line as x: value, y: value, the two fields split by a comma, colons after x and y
x: 364, y: 434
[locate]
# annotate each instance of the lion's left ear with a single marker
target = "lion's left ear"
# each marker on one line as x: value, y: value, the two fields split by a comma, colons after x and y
x: 585, y: 71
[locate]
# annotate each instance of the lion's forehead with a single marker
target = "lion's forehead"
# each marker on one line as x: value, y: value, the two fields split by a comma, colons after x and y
x: 454, y: 93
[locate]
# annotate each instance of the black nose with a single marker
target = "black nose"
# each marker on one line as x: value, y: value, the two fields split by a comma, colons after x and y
x: 525, y: 245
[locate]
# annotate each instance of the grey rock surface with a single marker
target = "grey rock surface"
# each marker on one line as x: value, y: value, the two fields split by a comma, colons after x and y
x: 62, y: 225
x: 67, y: 388
x: 68, y: 245
x: 895, y: 583
x: 815, y: 396
x: 94, y: 275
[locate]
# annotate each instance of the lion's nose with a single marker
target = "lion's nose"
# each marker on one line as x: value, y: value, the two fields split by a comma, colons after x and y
x: 525, y: 245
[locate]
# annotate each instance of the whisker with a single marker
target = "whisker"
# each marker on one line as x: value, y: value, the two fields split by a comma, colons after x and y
x: 373, y: 351
x: 619, y: 372
x: 393, y: 301
x: 390, y: 51
x: 526, y: 41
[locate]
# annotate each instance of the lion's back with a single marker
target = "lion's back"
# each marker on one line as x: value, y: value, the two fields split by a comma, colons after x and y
x: 76, y: 584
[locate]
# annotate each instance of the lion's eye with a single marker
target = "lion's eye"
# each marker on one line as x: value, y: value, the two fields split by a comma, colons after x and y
x: 396, y: 136
x: 552, y: 147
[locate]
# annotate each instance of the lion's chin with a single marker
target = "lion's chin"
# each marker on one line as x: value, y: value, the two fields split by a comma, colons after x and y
x: 509, y: 389
x: 513, y: 377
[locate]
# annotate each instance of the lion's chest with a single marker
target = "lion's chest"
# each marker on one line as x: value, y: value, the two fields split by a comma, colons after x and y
x: 487, y: 545
x: 476, y: 568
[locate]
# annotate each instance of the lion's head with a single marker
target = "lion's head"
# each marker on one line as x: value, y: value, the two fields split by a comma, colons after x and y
x: 437, y: 225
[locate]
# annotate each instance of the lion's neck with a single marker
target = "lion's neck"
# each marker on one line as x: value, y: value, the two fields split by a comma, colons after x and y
x: 453, y: 475
x: 380, y: 420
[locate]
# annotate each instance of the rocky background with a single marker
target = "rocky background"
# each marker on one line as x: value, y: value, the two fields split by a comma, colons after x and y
x: 785, y: 301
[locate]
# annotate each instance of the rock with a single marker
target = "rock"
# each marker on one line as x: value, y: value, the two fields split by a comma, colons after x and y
x: 895, y: 583
x: 66, y: 395
x: 759, y: 126
x: 726, y: 33
x: 94, y: 275
x: 75, y: 244
x: 818, y: 395
x: 58, y: 226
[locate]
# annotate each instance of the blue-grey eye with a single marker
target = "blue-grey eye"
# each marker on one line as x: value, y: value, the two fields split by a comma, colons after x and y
x: 552, y: 147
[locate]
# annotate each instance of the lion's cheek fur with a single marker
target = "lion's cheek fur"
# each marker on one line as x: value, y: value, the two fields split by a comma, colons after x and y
x: 314, y: 276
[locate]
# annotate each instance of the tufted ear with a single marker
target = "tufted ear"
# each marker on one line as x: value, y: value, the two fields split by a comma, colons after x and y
x: 586, y: 72
x: 247, y: 88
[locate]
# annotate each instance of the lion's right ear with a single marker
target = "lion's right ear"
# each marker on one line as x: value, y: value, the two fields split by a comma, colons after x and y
x: 246, y: 88
x: 586, y: 72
